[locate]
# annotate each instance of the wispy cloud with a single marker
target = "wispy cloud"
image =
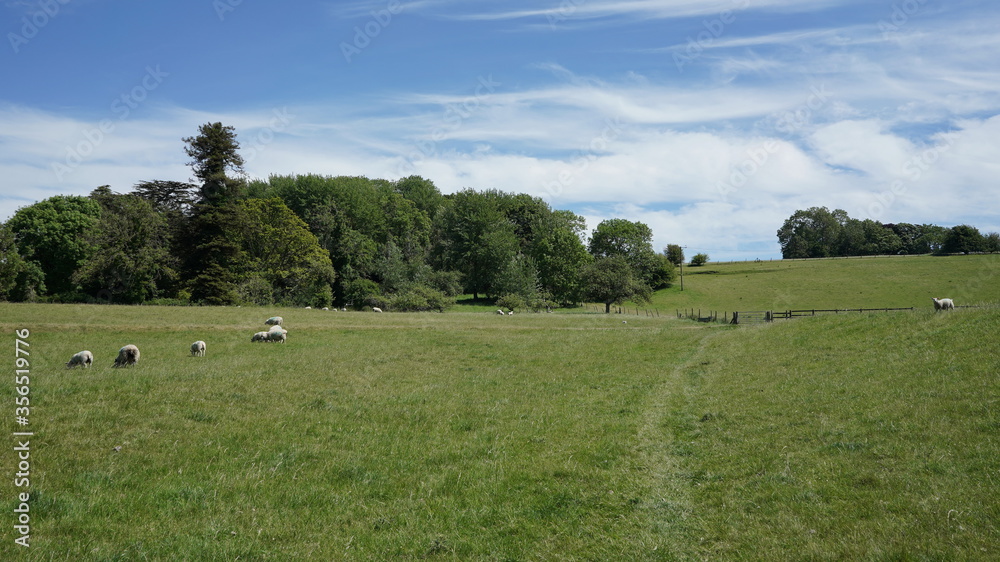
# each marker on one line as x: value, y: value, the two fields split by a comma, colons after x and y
x: 766, y: 120
x: 647, y: 9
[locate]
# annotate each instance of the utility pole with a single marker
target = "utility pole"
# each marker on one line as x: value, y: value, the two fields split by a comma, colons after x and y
x: 682, y: 267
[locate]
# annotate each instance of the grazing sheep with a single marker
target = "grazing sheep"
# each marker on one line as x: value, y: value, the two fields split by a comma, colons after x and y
x: 127, y: 356
x: 274, y: 321
x: 943, y: 304
x: 84, y: 358
x: 500, y: 312
x: 326, y: 308
x: 259, y: 336
x: 277, y: 336
x: 198, y: 349
x: 376, y: 309
x: 511, y: 313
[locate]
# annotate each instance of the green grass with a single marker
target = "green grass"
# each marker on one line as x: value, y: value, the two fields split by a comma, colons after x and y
x: 534, y: 437
x: 893, y: 282
x: 365, y: 436
x: 853, y: 437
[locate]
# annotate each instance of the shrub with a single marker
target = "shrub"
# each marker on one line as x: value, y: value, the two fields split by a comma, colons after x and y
x: 699, y: 259
x: 541, y: 302
x: 510, y: 301
x: 359, y: 293
x: 420, y: 299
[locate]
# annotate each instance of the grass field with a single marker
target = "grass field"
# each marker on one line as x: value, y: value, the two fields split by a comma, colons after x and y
x: 894, y: 282
x: 533, y: 437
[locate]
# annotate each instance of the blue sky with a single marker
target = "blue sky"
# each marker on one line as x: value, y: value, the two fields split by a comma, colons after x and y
x: 710, y: 121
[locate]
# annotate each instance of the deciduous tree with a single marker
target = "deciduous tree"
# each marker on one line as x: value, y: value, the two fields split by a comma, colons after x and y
x: 963, y: 239
x: 53, y: 234
x: 813, y: 233
x: 610, y: 280
x: 131, y: 261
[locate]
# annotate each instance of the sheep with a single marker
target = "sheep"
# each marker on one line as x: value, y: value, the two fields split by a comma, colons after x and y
x: 127, y: 356
x: 500, y: 312
x: 84, y: 358
x: 274, y: 321
x: 198, y: 349
x: 275, y: 334
x: 511, y: 313
x: 943, y: 304
x: 376, y: 309
x: 259, y: 336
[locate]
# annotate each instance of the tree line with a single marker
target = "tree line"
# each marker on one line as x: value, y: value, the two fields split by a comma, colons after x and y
x: 818, y: 232
x: 312, y: 240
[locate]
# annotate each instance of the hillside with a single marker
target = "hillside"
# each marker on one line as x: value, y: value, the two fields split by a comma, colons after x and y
x: 893, y: 282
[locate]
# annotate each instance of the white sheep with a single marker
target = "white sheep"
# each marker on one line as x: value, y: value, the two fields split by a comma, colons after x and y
x: 259, y: 336
x: 198, y: 349
x: 943, y: 304
x: 277, y: 336
x: 84, y: 358
x: 511, y: 313
x: 127, y: 356
x: 500, y: 312
x: 274, y: 321
x: 376, y: 309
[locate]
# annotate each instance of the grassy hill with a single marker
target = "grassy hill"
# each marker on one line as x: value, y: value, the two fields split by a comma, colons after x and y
x: 536, y: 436
x: 880, y: 282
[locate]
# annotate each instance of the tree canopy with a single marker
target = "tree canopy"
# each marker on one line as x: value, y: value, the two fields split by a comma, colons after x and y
x: 131, y: 260
x: 610, y: 280
x: 214, y: 152
x: 818, y: 232
x: 355, y: 241
x: 54, y: 236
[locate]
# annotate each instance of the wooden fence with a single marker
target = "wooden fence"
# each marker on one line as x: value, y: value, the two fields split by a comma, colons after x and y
x: 697, y: 314
x: 753, y: 317
x: 651, y: 313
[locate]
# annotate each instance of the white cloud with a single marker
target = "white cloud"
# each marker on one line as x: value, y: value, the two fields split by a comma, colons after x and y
x: 896, y: 130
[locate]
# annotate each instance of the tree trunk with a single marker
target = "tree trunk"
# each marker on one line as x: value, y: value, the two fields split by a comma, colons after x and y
x: 607, y: 308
